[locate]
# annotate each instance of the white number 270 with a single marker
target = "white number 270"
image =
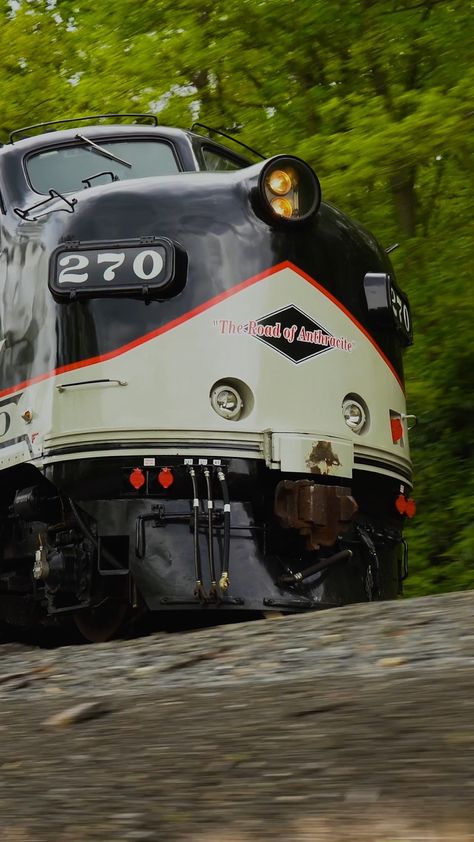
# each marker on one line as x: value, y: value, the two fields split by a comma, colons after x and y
x: 146, y: 266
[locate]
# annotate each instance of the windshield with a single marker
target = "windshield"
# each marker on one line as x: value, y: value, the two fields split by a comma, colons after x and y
x: 217, y: 162
x: 67, y: 168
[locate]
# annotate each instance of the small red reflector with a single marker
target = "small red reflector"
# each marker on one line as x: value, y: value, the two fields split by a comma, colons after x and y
x: 401, y: 504
x: 397, y: 429
x: 404, y: 506
x: 137, y: 478
x: 165, y: 477
x: 410, y: 507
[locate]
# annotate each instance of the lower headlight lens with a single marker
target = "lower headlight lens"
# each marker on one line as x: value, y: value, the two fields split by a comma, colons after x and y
x: 282, y: 207
x: 354, y: 415
x: 226, y: 401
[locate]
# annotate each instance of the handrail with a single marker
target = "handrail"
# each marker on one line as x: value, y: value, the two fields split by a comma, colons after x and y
x: 79, y: 120
x: 61, y: 387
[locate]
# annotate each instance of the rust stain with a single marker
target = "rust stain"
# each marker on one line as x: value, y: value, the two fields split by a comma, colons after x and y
x: 322, y: 458
x: 320, y: 513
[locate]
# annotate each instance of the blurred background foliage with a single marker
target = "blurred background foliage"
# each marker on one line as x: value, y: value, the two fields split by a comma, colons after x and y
x: 378, y: 96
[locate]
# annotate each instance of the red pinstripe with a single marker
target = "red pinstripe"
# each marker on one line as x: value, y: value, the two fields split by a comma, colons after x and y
x: 110, y: 355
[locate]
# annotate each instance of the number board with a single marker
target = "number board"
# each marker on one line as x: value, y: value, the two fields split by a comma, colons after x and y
x: 388, y: 303
x: 129, y: 268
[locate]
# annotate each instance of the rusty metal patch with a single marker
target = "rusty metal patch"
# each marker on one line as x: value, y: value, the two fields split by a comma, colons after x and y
x: 322, y: 458
x: 318, y: 512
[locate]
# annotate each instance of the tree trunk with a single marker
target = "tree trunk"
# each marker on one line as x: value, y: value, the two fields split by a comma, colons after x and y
x: 403, y: 190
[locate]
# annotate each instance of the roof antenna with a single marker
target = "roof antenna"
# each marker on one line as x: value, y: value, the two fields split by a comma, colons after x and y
x: 391, y: 248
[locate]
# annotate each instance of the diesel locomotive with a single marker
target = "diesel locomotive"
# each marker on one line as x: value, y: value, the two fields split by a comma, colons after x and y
x: 201, y: 387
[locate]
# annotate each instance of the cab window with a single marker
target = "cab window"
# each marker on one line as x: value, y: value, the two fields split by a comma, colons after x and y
x: 68, y: 168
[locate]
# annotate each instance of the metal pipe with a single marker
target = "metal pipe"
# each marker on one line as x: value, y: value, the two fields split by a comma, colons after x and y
x: 292, y: 578
x: 140, y: 543
x: 87, y: 532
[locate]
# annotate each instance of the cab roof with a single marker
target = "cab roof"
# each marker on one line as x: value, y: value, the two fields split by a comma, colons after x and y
x: 54, y: 136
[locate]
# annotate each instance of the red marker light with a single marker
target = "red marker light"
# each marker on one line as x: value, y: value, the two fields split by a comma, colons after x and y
x: 410, y: 507
x: 137, y: 479
x: 165, y: 477
x: 397, y: 429
x: 401, y: 504
x: 404, y: 506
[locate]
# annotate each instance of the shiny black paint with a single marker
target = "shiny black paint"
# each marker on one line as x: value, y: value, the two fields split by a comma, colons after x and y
x: 210, y: 216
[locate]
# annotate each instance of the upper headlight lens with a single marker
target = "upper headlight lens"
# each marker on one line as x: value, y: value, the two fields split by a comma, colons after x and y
x: 279, y: 182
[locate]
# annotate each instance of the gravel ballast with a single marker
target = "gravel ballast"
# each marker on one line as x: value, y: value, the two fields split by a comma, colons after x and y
x: 356, y: 723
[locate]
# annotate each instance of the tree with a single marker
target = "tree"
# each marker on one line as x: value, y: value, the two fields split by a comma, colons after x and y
x: 33, y: 65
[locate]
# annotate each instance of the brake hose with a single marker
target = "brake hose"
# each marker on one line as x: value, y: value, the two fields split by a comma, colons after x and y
x: 224, y: 580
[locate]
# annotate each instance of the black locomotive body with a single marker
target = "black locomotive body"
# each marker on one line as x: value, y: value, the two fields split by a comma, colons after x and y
x: 201, y: 393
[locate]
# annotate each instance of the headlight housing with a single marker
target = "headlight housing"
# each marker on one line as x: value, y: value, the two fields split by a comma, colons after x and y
x: 226, y: 401
x: 355, y: 413
x: 289, y: 190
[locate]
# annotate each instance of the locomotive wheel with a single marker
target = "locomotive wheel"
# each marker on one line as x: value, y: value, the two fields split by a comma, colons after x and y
x: 100, y: 623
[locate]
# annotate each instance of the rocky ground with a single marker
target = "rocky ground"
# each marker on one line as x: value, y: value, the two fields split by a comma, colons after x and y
x: 353, y: 724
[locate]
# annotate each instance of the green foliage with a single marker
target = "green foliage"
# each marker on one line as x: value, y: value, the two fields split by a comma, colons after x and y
x: 31, y: 64
x: 376, y: 95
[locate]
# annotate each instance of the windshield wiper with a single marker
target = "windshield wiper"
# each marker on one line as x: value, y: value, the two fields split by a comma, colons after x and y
x: 101, y: 151
x: 87, y: 181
